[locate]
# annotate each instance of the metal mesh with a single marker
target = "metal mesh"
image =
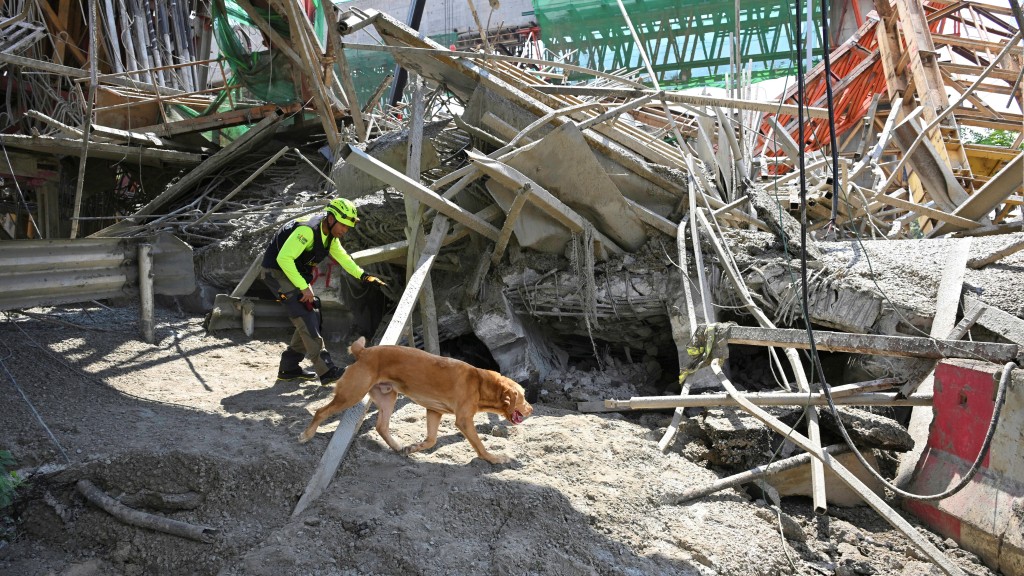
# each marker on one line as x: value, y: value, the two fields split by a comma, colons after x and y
x: 688, y: 41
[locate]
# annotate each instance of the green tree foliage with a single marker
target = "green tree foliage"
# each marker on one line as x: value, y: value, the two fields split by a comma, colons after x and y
x: 1001, y: 138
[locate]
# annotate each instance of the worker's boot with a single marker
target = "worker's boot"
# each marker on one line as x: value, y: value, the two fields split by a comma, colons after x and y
x: 333, y: 372
x: 290, y: 370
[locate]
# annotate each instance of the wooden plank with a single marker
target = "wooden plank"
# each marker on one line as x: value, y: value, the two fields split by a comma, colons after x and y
x: 414, y: 220
x: 977, y: 101
x: 975, y: 70
x: 760, y: 399
x: 751, y: 475
x: 219, y: 120
x: 996, y: 320
x: 783, y: 138
x: 348, y: 424
x: 127, y: 136
x: 250, y: 276
x: 428, y: 310
x: 906, y: 346
x: 403, y: 311
x: 316, y: 73
x: 404, y: 184
x: 105, y: 150
x: 889, y: 49
x: 922, y: 210
x: 90, y: 104
x: 951, y: 285
x: 652, y: 219
x: 995, y: 191
x: 680, y: 98
x: 864, y: 387
x: 506, y: 230
x: 973, y: 44
x: 982, y: 261
x: 345, y: 76
x: 395, y: 252
x: 352, y: 418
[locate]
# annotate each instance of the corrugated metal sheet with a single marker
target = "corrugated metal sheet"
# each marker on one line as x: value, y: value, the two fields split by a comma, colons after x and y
x: 49, y: 272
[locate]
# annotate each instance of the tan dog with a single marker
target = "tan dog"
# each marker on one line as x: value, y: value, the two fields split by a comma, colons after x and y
x: 441, y: 385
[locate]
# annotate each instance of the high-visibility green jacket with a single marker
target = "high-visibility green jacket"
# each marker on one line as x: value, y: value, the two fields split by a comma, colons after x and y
x: 299, y: 246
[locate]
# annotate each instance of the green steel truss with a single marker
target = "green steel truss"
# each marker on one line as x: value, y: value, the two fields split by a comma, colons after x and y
x: 688, y: 41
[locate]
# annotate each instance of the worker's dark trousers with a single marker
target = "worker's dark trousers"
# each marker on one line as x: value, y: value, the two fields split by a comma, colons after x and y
x: 306, y: 340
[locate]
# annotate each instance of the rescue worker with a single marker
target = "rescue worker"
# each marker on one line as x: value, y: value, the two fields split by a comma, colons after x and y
x: 288, y: 263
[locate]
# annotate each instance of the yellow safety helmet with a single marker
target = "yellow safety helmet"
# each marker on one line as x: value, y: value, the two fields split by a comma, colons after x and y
x: 344, y: 211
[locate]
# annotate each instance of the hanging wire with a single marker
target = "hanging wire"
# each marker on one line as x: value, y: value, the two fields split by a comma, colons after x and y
x: 28, y: 402
x: 831, y: 114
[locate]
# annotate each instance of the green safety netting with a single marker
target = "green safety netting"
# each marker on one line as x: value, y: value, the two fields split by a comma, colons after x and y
x: 687, y: 41
x: 264, y: 73
x: 369, y: 67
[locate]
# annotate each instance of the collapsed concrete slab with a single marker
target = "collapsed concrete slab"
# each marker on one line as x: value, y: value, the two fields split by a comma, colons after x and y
x: 517, y: 345
x: 391, y: 148
x: 563, y: 164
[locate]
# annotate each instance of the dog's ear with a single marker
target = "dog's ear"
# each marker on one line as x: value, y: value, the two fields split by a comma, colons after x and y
x: 507, y: 399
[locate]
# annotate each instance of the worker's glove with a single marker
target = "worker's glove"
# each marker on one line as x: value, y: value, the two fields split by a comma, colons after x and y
x: 372, y: 280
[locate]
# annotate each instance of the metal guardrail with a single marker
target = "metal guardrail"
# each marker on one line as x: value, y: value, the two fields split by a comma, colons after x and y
x: 50, y: 272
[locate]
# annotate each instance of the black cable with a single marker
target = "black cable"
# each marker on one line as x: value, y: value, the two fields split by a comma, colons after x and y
x: 831, y: 114
x: 803, y: 194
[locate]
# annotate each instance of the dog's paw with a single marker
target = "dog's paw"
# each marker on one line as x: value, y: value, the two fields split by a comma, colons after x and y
x: 498, y: 458
x: 305, y: 437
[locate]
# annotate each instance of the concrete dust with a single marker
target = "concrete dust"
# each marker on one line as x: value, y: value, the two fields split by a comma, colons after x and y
x: 201, y: 421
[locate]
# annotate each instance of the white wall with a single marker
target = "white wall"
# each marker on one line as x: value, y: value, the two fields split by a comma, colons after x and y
x: 445, y: 16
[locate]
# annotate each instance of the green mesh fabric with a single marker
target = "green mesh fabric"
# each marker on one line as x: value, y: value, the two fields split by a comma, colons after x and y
x: 265, y: 73
x: 369, y: 67
x: 687, y: 41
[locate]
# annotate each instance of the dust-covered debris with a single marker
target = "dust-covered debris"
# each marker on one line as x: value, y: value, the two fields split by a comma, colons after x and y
x: 200, y: 419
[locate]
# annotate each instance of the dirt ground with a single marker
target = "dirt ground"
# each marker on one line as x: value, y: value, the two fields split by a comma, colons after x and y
x: 195, y: 428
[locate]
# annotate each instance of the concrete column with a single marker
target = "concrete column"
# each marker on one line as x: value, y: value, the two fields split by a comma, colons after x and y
x: 146, y: 290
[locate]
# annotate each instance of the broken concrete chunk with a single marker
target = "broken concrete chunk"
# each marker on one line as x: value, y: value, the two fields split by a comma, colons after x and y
x: 785, y: 226
x: 737, y: 440
x: 520, y: 349
x: 565, y: 166
x: 797, y: 481
x: 391, y: 148
x: 868, y: 430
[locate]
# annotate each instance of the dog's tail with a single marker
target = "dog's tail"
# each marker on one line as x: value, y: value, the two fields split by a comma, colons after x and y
x: 356, y: 348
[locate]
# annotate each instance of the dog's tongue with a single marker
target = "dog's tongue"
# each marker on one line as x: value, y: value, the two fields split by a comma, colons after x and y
x: 517, y: 417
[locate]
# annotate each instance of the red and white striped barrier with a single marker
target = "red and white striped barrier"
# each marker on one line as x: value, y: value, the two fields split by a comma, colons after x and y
x: 987, y: 516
